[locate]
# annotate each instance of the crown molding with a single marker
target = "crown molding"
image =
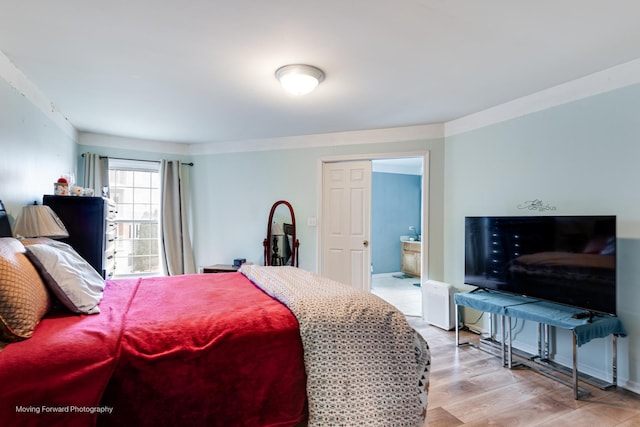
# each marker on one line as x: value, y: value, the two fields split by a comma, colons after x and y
x: 125, y: 143
x: 17, y: 80
x: 603, y: 81
x: 374, y: 136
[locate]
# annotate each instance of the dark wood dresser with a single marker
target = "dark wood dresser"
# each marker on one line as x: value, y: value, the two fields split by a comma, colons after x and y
x: 92, y: 228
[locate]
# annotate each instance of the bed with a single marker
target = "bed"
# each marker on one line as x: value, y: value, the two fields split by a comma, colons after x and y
x: 267, y: 346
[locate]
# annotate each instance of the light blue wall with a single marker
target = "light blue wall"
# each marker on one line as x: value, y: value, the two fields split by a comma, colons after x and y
x: 581, y: 158
x: 395, y: 205
x: 34, y: 151
x: 233, y: 194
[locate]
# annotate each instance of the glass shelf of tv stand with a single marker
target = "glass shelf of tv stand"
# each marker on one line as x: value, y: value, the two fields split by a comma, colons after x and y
x: 546, y: 314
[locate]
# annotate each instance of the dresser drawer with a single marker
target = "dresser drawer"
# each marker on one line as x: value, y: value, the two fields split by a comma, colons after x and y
x: 91, y: 227
x: 111, y: 231
x: 110, y: 266
x: 110, y: 247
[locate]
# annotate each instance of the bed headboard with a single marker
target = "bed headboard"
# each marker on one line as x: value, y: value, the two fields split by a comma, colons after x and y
x: 5, y: 228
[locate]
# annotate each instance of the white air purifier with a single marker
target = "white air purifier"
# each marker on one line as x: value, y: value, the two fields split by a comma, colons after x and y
x: 438, y: 305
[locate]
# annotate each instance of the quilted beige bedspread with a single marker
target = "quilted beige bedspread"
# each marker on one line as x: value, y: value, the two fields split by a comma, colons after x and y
x: 365, y: 364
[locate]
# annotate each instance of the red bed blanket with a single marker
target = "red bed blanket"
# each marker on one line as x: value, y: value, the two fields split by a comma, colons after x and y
x: 208, y: 349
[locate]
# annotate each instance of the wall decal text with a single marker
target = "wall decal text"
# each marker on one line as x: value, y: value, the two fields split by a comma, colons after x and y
x: 536, y: 205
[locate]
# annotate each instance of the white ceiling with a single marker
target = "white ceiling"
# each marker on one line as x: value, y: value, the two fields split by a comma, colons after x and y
x: 200, y: 71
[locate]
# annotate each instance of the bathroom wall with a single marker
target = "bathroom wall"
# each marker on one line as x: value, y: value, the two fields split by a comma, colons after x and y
x: 395, y: 205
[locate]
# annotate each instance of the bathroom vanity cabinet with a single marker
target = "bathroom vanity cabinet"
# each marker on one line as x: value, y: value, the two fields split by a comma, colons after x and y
x: 411, y: 255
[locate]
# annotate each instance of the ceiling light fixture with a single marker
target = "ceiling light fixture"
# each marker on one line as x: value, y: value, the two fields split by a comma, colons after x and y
x: 299, y: 79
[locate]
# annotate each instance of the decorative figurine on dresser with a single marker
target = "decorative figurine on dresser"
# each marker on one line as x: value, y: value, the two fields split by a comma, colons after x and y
x: 92, y: 228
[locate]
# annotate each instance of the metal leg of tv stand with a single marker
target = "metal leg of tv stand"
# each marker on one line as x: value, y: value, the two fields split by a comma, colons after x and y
x: 614, y: 368
x: 547, y: 335
x: 506, y: 352
x: 614, y: 364
x: 543, y: 341
x: 575, y: 367
x: 505, y: 343
x: 457, y: 317
x: 502, y: 342
x: 457, y: 324
x: 510, y: 355
x: 458, y: 343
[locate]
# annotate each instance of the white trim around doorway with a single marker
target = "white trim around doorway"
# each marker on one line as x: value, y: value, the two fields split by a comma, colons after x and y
x: 424, y: 226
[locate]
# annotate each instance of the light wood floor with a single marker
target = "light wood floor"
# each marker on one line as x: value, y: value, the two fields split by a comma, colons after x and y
x: 469, y: 387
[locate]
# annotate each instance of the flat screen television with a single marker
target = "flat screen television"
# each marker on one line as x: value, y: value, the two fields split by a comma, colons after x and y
x: 569, y: 260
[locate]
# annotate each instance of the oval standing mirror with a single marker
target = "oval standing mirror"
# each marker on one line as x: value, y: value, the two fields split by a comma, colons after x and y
x: 281, y: 245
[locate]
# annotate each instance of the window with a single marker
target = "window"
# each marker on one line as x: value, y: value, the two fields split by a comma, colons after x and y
x: 135, y: 188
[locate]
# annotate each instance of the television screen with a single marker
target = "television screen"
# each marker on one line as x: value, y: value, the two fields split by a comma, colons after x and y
x: 565, y: 259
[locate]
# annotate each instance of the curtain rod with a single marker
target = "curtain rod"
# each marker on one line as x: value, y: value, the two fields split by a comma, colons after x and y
x: 138, y: 160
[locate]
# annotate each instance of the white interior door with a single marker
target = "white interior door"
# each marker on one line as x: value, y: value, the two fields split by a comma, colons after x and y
x: 346, y: 223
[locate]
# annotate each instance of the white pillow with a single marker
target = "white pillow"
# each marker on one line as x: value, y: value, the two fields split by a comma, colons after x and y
x: 72, y: 279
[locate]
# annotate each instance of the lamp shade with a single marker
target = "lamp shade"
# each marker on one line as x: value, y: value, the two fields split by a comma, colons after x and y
x: 39, y: 221
x: 299, y: 79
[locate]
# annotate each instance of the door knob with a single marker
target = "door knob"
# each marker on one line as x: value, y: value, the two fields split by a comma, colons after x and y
x: 365, y: 243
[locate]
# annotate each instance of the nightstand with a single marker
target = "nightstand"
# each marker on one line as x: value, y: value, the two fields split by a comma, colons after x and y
x: 220, y: 268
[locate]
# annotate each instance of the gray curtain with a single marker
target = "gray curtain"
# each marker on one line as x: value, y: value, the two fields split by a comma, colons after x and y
x: 176, y: 252
x: 96, y: 173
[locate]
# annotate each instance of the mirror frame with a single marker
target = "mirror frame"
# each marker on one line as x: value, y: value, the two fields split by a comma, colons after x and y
x: 296, y: 244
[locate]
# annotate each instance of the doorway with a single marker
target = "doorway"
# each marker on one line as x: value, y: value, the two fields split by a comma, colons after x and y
x: 386, y: 239
x: 396, y: 231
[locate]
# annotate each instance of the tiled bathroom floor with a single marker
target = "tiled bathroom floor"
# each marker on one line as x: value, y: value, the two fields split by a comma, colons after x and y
x: 400, y: 291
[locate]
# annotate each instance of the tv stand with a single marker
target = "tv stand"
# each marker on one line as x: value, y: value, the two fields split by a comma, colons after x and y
x: 546, y: 314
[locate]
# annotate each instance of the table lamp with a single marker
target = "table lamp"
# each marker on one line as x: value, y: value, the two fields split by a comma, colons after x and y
x: 39, y: 221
